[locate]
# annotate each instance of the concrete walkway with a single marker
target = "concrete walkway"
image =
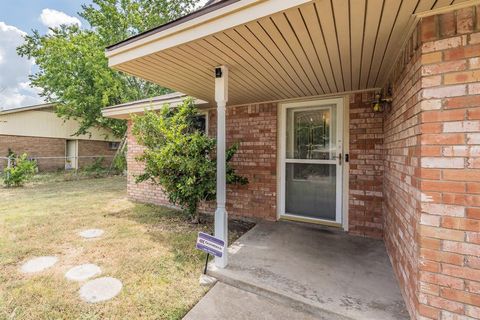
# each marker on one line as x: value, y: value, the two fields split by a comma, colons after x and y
x: 227, y: 302
x: 314, y: 269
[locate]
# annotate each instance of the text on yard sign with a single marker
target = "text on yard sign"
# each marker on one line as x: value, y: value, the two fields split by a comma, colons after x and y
x: 210, y: 244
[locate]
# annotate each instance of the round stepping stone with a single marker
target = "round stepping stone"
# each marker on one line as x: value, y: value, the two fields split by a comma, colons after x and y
x: 83, y: 272
x: 100, y: 289
x: 91, y: 233
x: 38, y: 264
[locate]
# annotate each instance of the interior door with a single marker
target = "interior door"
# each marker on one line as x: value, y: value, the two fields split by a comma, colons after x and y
x: 312, y: 160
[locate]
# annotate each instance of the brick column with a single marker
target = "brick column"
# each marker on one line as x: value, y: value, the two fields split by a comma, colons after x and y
x: 448, y: 236
x: 432, y: 168
x: 366, y: 167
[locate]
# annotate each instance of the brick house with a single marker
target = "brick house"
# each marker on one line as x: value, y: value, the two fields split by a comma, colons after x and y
x: 37, y: 131
x: 361, y: 115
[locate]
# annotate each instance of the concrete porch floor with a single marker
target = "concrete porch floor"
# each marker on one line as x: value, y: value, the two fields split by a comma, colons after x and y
x: 315, y: 269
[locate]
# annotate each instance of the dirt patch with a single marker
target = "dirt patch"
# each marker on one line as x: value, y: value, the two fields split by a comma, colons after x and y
x: 119, y: 205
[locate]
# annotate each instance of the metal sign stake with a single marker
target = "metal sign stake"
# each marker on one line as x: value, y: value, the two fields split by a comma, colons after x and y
x: 206, y: 264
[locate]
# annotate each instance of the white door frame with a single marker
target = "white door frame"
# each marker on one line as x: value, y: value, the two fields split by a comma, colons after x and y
x: 342, y: 142
x: 74, y: 163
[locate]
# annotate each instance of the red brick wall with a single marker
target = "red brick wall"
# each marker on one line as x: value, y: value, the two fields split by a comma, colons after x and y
x: 35, y: 147
x: 432, y: 171
x: 402, y: 147
x: 52, y: 147
x: 449, y: 235
x: 366, y: 167
x: 254, y: 127
x: 89, y: 150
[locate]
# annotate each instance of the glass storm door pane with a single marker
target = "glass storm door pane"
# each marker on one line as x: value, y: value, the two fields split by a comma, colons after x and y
x: 311, y: 162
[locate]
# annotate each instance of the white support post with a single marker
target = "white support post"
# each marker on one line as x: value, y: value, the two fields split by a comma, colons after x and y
x: 221, y: 215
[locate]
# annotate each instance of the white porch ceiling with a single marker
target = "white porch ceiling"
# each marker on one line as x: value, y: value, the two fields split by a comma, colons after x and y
x: 321, y: 47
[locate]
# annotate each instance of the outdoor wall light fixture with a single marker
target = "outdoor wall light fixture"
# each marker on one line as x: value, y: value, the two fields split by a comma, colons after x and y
x: 380, y: 102
x: 218, y: 72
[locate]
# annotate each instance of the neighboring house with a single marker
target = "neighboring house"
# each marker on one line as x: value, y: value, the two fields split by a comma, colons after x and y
x: 50, y: 140
x: 299, y: 80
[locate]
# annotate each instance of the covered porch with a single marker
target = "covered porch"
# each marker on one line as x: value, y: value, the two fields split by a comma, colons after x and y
x: 319, y: 270
x: 267, y: 68
x: 295, y: 55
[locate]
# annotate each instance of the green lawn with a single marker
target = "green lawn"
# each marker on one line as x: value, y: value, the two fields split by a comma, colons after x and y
x: 150, y: 249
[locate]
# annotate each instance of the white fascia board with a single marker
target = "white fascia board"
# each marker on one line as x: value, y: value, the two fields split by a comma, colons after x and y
x: 213, y: 22
x: 126, y: 111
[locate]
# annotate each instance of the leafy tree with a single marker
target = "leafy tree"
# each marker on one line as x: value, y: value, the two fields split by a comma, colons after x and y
x: 73, y: 71
x: 179, y: 157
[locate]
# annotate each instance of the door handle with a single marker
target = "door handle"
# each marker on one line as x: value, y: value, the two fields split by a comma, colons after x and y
x: 340, y: 159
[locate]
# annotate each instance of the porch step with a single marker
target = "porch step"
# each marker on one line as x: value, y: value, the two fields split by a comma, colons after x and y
x: 275, y: 296
x: 226, y: 302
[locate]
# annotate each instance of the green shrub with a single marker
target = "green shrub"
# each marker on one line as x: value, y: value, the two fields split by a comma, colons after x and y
x: 179, y: 157
x: 20, y: 172
x: 120, y: 163
x: 96, y: 168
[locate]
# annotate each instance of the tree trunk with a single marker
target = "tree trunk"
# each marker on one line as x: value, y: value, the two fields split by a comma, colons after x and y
x: 194, y: 214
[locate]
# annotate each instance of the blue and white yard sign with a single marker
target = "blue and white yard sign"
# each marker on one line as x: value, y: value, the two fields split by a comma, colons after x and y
x: 210, y: 244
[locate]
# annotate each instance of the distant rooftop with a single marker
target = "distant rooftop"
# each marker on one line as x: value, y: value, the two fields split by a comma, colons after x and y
x: 27, y: 108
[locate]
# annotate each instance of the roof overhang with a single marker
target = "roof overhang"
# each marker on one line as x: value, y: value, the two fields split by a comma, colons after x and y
x: 216, y: 18
x: 277, y: 50
x: 125, y: 110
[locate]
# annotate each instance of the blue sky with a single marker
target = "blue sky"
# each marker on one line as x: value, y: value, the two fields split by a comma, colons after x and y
x: 25, y: 14
x: 17, y: 18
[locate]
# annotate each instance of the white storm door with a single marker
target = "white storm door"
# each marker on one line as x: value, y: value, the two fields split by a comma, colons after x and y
x: 311, y: 160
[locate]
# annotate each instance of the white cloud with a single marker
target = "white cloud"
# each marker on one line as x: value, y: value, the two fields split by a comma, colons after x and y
x: 54, y: 19
x: 14, y: 70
